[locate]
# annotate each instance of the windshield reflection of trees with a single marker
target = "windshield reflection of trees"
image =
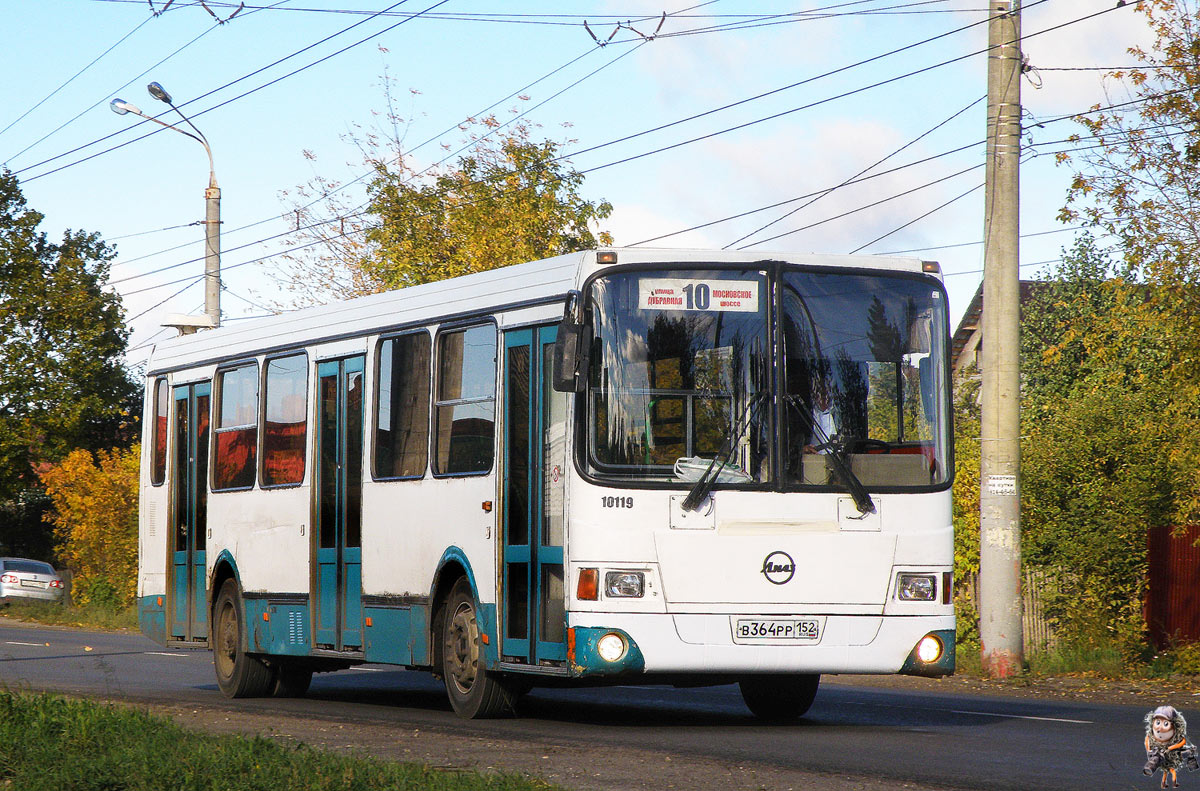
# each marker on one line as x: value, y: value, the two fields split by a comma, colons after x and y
x: 670, y: 384
x: 850, y: 374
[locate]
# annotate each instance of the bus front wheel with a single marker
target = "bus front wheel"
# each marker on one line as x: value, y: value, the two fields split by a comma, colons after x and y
x: 474, y: 692
x: 779, y: 698
x: 239, y: 675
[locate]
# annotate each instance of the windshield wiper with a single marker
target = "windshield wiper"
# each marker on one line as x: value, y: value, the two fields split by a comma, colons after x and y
x: 705, y: 483
x: 839, y: 455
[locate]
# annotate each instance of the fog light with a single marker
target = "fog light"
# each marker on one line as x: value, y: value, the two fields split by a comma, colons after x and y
x: 916, y: 587
x: 611, y: 647
x: 624, y: 584
x: 929, y: 649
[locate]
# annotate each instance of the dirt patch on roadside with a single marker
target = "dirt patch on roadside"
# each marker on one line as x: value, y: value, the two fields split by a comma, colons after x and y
x: 575, y: 766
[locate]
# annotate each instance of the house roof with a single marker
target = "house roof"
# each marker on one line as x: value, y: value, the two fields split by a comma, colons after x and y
x: 970, y: 323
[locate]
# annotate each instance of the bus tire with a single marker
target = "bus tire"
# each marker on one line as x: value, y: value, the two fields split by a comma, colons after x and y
x: 291, y: 680
x: 474, y: 692
x: 239, y: 675
x: 779, y: 698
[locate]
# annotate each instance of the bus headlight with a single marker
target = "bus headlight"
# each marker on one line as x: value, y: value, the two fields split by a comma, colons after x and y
x: 916, y: 587
x: 611, y: 647
x: 624, y: 584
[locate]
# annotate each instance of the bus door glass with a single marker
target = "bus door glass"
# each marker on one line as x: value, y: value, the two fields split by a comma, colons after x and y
x: 534, y: 476
x: 339, y: 504
x: 189, y: 494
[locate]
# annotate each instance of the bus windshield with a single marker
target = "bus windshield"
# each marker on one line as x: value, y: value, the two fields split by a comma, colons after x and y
x: 847, y: 377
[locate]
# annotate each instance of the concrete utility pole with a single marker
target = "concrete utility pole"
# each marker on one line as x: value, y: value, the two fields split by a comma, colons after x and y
x: 999, y: 497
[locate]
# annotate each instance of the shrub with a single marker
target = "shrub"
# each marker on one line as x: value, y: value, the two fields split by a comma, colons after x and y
x: 94, y: 514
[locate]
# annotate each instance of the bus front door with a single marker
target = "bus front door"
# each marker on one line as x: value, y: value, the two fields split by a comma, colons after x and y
x: 189, y: 512
x: 339, y: 448
x: 533, y: 608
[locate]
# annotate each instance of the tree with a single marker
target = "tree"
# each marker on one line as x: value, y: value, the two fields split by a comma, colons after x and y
x: 62, y: 339
x: 95, y: 522
x: 1138, y: 178
x: 508, y: 199
x: 1098, y: 459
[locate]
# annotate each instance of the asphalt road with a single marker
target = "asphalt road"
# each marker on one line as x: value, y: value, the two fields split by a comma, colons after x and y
x: 933, y: 739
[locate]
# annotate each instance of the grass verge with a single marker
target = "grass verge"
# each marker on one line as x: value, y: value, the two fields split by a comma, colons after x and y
x: 88, y: 617
x: 48, y: 743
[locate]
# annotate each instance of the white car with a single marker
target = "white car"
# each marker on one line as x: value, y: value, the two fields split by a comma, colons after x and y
x: 21, y: 578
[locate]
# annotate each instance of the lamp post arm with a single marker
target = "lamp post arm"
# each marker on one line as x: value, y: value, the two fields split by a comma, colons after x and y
x: 212, y: 171
x: 199, y: 138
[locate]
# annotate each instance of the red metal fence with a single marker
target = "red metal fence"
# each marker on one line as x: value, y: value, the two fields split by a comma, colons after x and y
x: 1172, y: 606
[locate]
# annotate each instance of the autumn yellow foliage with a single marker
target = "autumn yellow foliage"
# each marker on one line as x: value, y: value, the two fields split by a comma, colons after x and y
x: 94, y: 514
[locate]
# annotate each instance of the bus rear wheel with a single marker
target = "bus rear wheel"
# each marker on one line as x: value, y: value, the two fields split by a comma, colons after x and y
x: 474, y: 692
x: 239, y: 675
x: 779, y: 698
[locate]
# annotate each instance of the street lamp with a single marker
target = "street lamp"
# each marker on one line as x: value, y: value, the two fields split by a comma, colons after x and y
x: 212, y: 201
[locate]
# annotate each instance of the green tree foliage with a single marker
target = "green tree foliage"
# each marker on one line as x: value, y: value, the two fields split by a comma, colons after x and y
x: 1099, y: 459
x: 1138, y: 179
x: 507, y: 199
x: 1111, y: 355
x: 62, y: 338
x: 1136, y: 172
x: 1097, y: 463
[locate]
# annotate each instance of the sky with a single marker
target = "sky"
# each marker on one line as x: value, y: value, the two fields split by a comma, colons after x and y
x: 691, y: 119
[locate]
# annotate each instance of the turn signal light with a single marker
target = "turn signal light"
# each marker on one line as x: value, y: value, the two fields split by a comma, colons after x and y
x: 588, y: 588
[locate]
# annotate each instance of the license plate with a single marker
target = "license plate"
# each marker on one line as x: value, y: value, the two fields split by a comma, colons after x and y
x: 785, y: 630
x: 32, y: 584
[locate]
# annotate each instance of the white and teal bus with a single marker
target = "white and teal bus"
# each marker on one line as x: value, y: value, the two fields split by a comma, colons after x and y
x: 613, y: 466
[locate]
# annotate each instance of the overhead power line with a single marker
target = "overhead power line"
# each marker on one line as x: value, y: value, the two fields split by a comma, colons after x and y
x: 126, y: 84
x: 862, y: 172
x: 228, y: 85
x: 355, y: 212
x: 77, y: 74
x: 818, y: 102
x: 1090, y: 16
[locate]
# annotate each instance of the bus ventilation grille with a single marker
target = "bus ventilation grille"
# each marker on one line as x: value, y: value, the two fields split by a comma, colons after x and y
x: 296, y: 628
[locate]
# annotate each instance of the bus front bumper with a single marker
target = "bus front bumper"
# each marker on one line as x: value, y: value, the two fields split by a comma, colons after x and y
x: 625, y: 644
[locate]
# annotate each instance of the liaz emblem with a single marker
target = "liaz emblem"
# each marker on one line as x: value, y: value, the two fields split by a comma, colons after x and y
x: 779, y: 568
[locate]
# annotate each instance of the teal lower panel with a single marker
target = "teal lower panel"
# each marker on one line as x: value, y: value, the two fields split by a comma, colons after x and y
x: 942, y: 666
x: 388, y: 635
x: 152, y: 618
x: 583, y: 658
x: 284, y: 631
x: 485, y: 618
x: 397, y: 635
x: 401, y: 635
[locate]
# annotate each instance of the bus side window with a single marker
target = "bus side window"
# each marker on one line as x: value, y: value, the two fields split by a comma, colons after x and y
x: 237, y: 428
x: 466, y: 401
x: 285, y: 420
x: 162, y: 400
x: 402, y: 417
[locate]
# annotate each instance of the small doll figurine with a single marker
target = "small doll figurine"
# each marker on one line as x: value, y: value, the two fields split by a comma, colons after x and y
x: 1167, y: 747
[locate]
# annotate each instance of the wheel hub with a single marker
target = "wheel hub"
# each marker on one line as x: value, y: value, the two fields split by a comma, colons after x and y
x: 463, y: 647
